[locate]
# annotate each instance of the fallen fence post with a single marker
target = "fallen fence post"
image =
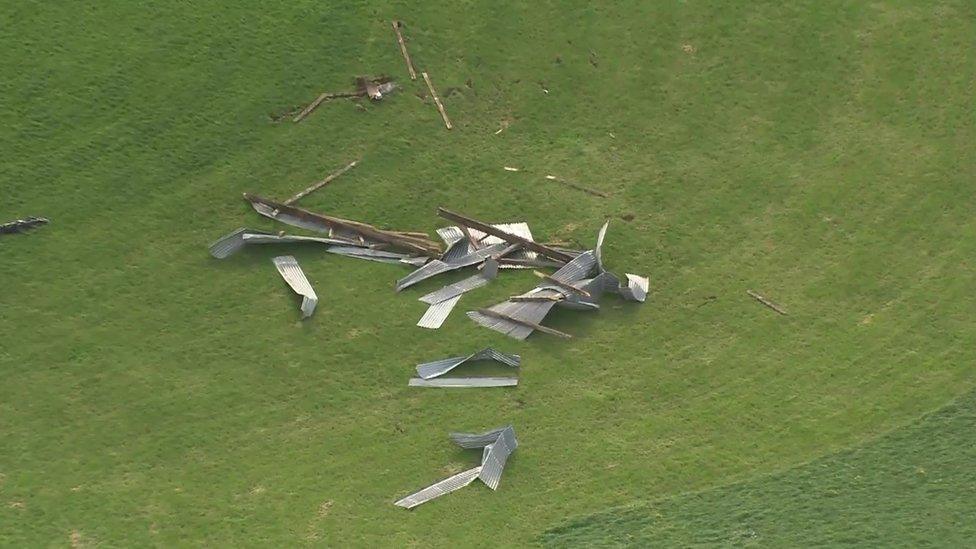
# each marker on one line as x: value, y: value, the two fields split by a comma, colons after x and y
x: 403, y: 50
x: 437, y: 101
x: 766, y: 302
x: 320, y: 184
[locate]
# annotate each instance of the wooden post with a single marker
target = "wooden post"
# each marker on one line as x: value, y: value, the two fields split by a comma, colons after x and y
x: 526, y: 323
x: 562, y: 284
x: 320, y: 184
x: 766, y: 302
x: 437, y: 101
x: 403, y: 50
x: 311, y: 107
x: 507, y: 237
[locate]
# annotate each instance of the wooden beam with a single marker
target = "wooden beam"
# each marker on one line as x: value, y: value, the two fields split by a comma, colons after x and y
x: 437, y: 101
x: 562, y: 284
x: 328, y: 179
x: 526, y: 323
x: 403, y: 50
x: 535, y: 298
x: 507, y: 237
x: 588, y: 190
x: 766, y: 302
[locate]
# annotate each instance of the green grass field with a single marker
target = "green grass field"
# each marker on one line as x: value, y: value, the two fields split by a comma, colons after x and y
x: 818, y: 152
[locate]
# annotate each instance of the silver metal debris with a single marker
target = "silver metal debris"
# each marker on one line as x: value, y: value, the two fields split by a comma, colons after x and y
x: 464, y: 382
x: 437, y: 313
x: 487, y: 274
x: 437, y: 266
x: 23, y: 225
x: 369, y: 254
x: 429, y: 370
x: 452, y: 235
x: 292, y: 273
x: 497, y: 445
x: 636, y: 288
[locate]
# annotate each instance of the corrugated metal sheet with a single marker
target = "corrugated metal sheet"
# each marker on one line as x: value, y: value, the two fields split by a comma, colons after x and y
x: 494, y: 458
x: 445, y: 486
x: 598, y: 251
x: 252, y: 237
x: 636, y: 288
x: 370, y: 254
x: 453, y: 235
x: 579, y: 268
x: 231, y: 243
x: 464, y: 382
x: 429, y: 370
x: 436, y: 267
x: 477, y: 440
x: 487, y: 274
x: 530, y: 311
x: 437, y: 313
x: 295, y: 277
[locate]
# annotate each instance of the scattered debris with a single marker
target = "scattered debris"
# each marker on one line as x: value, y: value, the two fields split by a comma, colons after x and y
x: 292, y: 273
x: 510, y: 169
x: 497, y: 445
x: 373, y: 87
x: 305, y: 219
x: 447, y: 264
x: 506, y: 236
x: 437, y: 368
x: 403, y: 49
x: 570, y: 286
x: 464, y: 382
x: 318, y: 185
x: 23, y: 225
x: 478, y: 239
x: 766, y: 302
x: 688, y: 48
x: 545, y: 90
x: 594, y: 192
x: 442, y: 301
x: 437, y: 101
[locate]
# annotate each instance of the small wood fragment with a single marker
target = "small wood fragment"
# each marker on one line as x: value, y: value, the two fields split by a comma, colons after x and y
x: 526, y: 323
x: 588, y: 190
x: 562, y: 284
x: 437, y: 101
x: 403, y: 50
x: 318, y: 185
x: 766, y: 302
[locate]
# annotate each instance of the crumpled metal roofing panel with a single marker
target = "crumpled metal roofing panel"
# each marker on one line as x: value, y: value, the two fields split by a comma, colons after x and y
x: 292, y: 273
x: 453, y: 236
x: 598, y: 251
x: 487, y: 274
x: 636, y: 288
x: 464, y: 382
x: 445, y: 486
x: 530, y: 311
x: 252, y: 237
x: 231, y: 243
x: 478, y: 440
x: 495, y: 456
x: 436, y: 266
x: 437, y: 368
x: 579, y: 268
x: 437, y: 313
x: 369, y: 253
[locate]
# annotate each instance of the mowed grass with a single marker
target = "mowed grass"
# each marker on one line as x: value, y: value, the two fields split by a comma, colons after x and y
x: 910, y: 488
x: 818, y: 152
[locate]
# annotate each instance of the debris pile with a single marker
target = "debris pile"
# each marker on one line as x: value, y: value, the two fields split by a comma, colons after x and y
x: 496, y: 446
x: 366, y: 86
x: 23, y: 225
x: 430, y: 372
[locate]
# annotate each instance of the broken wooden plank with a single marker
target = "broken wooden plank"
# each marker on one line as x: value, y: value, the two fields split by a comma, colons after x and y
x: 318, y: 100
x: 766, y: 302
x: 526, y: 323
x: 437, y: 101
x: 320, y: 184
x: 321, y: 222
x: 562, y: 284
x: 507, y: 237
x: 403, y: 50
x: 588, y: 190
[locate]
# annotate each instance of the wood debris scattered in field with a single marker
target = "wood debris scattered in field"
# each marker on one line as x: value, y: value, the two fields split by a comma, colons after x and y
x: 766, y: 302
x: 587, y: 190
x: 373, y: 87
x: 318, y: 185
x: 403, y: 49
x: 437, y: 101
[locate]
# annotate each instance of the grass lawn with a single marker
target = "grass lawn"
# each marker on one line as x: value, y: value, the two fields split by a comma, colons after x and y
x: 911, y: 488
x: 819, y: 152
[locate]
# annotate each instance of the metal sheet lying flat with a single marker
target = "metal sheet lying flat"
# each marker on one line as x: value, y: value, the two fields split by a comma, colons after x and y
x: 445, y: 486
x: 577, y: 269
x: 464, y: 382
x: 528, y: 311
x: 295, y: 277
x: 487, y: 274
x: 437, y: 313
x: 636, y: 288
x: 429, y: 370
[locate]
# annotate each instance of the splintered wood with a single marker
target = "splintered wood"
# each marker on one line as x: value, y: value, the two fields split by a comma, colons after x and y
x: 318, y: 101
x: 403, y: 50
x: 766, y: 302
x: 437, y: 101
x: 318, y: 185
